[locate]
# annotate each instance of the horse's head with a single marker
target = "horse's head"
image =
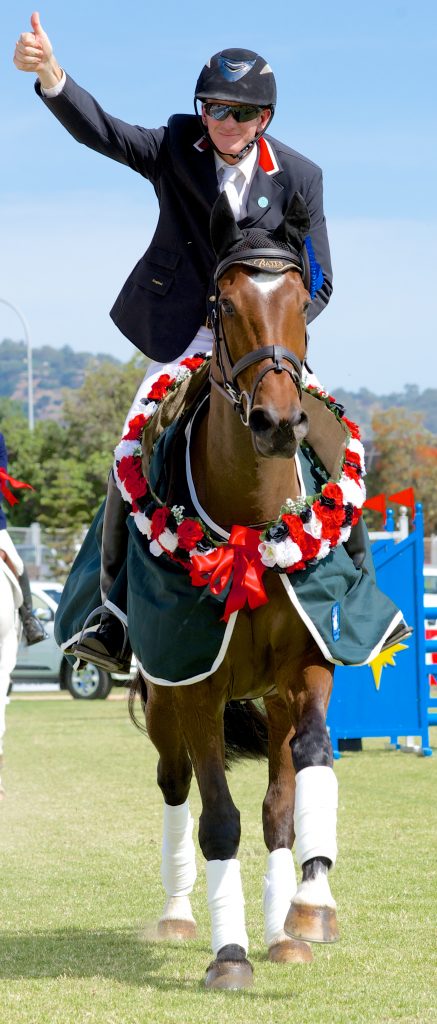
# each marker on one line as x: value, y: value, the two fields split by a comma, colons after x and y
x: 259, y: 323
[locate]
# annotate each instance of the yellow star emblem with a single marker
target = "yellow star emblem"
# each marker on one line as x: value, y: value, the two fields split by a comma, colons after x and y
x: 386, y: 657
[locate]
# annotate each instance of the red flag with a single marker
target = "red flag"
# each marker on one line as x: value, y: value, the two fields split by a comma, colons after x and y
x: 405, y: 497
x: 378, y: 504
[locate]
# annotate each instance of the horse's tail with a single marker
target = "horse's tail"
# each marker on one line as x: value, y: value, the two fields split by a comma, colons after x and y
x: 246, y: 732
x: 245, y: 724
x: 137, y: 688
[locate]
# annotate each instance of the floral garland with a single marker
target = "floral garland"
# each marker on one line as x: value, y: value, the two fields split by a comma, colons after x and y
x: 304, y: 533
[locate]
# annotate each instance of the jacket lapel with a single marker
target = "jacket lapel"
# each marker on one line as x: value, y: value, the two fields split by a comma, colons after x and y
x: 266, y: 190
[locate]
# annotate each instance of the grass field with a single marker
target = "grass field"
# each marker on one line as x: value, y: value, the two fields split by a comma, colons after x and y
x: 80, y: 851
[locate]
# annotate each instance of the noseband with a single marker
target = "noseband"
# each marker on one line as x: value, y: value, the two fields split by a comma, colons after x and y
x: 272, y: 261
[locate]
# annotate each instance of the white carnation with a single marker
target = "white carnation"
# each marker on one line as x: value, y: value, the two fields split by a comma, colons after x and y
x: 324, y: 549
x: 287, y: 553
x: 168, y: 540
x: 345, y: 533
x: 313, y: 527
x: 355, y: 445
x: 353, y: 492
x: 125, y: 448
x: 144, y: 524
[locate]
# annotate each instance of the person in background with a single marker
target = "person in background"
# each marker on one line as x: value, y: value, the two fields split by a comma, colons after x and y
x: 33, y: 630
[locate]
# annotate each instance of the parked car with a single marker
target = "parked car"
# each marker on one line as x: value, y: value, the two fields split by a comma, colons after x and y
x: 45, y: 662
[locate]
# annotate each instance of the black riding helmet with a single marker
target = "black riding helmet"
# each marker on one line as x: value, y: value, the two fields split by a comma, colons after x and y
x: 240, y: 76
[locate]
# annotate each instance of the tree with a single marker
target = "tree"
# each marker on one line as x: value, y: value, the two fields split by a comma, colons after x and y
x: 406, y: 457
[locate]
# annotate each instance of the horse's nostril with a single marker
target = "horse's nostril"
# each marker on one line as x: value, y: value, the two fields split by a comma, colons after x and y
x: 259, y: 421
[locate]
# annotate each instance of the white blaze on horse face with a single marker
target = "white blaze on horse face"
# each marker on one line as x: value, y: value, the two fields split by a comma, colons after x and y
x: 267, y: 283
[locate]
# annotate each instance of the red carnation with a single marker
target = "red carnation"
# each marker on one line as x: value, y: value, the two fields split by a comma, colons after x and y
x: 353, y: 457
x: 160, y: 387
x: 189, y: 533
x: 352, y: 473
x: 331, y: 519
x: 295, y: 527
x: 352, y: 427
x: 130, y: 472
x: 334, y: 493
x: 159, y: 521
x: 193, y: 362
x: 135, y: 427
x: 297, y: 565
x: 309, y: 546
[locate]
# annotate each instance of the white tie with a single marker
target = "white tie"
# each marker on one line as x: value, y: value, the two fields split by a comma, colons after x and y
x: 231, y: 184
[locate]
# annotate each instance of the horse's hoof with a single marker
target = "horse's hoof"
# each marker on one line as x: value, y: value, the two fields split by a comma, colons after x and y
x: 231, y: 969
x: 312, y: 924
x: 290, y: 951
x: 176, y: 931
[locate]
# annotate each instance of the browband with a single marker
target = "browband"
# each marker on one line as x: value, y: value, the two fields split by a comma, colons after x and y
x: 272, y: 261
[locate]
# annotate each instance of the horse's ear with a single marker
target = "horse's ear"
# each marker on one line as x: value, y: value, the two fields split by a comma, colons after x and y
x: 296, y: 223
x: 224, y: 229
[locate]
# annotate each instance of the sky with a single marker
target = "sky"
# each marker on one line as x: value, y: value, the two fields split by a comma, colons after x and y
x: 357, y: 93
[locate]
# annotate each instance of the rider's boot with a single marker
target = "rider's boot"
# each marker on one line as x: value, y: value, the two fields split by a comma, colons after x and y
x: 108, y: 645
x: 33, y: 630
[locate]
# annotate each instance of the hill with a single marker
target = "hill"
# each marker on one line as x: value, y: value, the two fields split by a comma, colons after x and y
x: 363, y: 404
x: 53, y: 370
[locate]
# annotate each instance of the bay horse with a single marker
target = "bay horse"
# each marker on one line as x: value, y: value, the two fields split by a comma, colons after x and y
x: 243, y: 449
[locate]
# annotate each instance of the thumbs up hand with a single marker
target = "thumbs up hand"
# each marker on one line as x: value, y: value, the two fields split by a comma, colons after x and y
x: 34, y: 52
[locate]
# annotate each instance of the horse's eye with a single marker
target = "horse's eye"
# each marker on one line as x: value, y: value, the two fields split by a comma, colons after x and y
x: 227, y: 307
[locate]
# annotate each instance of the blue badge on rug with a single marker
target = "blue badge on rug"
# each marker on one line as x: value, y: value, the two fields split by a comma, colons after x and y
x: 335, y: 621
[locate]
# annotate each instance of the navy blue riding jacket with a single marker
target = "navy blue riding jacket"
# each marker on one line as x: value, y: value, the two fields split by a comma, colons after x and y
x: 165, y: 299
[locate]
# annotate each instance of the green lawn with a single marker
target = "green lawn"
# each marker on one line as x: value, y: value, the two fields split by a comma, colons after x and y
x: 80, y: 886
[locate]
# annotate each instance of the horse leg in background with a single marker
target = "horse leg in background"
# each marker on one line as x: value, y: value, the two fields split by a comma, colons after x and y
x: 8, y: 657
x: 178, y: 864
x: 312, y: 914
x: 200, y: 709
x: 280, y: 880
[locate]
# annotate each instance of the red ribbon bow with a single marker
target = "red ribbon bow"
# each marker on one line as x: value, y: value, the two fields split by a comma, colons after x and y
x: 240, y: 559
x: 14, y: 483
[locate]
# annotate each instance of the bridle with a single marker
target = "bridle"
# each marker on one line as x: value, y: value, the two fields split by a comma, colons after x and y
x: 272, y: 261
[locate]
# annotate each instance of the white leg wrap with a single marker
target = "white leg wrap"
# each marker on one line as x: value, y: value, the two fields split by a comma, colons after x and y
x: 177, y: 908
x: 178, y: 865
x: 279, y: 889
x: 315, y: 814
x: 226, y: 904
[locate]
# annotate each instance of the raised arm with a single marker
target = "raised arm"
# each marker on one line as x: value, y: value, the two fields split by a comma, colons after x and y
x: 138, y: 148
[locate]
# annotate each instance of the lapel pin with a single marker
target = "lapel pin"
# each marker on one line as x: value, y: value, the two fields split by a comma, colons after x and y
x: 263, y: 202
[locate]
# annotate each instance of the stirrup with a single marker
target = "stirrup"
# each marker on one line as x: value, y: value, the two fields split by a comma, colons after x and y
x: 111, y: 664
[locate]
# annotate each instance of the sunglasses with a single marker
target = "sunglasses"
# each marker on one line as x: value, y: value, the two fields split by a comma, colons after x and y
x: 242, y: 112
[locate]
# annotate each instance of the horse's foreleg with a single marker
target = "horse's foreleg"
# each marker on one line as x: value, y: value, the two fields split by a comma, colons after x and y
x: 280, y: 879
x: 312, y: 915
x: 178, y: 863
x: 8, y: 657
x: 201, y: 714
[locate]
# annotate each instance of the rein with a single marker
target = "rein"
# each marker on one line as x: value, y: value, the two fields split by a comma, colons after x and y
x: 273, y: 261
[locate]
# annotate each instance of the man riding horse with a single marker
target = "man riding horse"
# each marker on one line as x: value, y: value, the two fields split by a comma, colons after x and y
x: 192, y: 159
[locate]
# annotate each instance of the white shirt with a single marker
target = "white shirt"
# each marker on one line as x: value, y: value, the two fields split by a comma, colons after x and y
x: 247, y: 167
